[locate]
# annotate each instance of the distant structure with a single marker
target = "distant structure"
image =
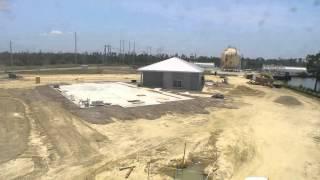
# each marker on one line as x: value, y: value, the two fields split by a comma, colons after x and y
x: 205, y: 66
x: 230, y: 59
x: 281, y: 71
x: 173, y: 73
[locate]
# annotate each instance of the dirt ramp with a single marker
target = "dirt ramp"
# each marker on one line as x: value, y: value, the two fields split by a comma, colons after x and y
x: 14, y: 129
x: 288, y: 101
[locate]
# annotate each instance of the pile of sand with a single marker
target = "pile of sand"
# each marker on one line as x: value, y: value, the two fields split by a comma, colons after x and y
x: 288, y: 101
x: 246, y: 91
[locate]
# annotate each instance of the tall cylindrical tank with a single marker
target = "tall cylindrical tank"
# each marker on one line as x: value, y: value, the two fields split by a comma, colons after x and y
x: 230, y: 59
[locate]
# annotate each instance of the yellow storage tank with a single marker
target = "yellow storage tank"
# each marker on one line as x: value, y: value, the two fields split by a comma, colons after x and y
x: 37, y: 79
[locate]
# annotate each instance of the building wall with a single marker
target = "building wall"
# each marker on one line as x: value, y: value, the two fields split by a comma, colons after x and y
x: 195, y: 81
x: 167, y: 80
x: 152, y: 79
x: 189, y: 81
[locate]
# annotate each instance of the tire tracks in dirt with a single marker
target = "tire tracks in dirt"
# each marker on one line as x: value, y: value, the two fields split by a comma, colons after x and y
x: 37, y: 147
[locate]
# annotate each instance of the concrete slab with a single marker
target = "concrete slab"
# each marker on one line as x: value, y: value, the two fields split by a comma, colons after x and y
x: 117, y: 93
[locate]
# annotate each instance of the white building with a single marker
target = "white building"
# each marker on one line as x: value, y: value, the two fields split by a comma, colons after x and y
x: 284, y: 70
x: 206, y: 66
x: 173, y: 73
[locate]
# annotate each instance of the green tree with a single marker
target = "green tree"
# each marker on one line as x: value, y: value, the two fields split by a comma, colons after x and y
x: 313, y: 66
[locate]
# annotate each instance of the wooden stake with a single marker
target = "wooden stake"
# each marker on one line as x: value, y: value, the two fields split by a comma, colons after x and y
x: 184, y: 153
x: 124, y: 168
x: 129, y: 172
x: 149, y: 170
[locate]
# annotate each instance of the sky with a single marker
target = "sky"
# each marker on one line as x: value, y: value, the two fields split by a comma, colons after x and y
x: 258, y: 28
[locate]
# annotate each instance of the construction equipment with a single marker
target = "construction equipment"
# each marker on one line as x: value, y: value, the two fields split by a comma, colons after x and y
x: 262, y: 79
x: 12, y: 75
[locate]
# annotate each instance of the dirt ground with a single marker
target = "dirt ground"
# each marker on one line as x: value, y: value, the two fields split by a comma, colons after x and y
x: 42, y: 139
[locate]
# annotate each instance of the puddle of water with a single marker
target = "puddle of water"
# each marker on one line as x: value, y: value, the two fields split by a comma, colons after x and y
x: 192, y: 172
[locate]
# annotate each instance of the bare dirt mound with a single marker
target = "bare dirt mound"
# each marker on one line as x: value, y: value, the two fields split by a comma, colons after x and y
x: 288, y: 101
x: 246, y: 91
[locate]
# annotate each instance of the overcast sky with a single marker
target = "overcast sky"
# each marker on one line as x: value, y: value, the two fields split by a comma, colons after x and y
x: 259, y: 28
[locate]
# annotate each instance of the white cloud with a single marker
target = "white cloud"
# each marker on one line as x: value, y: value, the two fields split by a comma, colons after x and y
x: 52, y: 33
x: 55, y: 32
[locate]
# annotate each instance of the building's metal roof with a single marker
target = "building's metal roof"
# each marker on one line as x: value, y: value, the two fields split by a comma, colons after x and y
x: 173, y: 65
x: 283, y: 68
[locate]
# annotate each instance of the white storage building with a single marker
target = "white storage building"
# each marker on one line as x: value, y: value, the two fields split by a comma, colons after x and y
x: 173, y: 73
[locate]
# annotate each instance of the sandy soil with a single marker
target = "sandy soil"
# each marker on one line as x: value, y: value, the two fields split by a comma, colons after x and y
x: 28, y: 80
x: 259, y: 137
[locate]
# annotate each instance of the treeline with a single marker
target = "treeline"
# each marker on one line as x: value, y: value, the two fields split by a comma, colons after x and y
x: 42, y: 59
x: 313, y: 66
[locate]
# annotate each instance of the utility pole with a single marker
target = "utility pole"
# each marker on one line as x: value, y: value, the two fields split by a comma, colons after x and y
x: 108, y: 53
x: 11, y: 57
x: 120, y: 51
x: 108, y: 49
x: 123, y: 47
x: 104, y: 55
x: 149, y: 48
x: 120, y: 48
x: 75, y: 48
x: 134, y: 47
x: 129, y: 52
x: 134, y: 53
x: 123, y: 51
